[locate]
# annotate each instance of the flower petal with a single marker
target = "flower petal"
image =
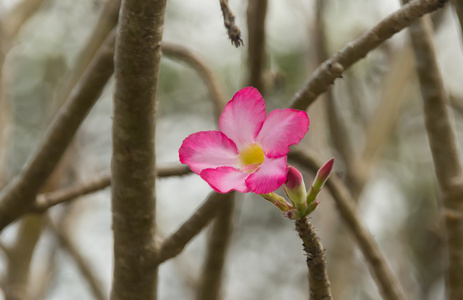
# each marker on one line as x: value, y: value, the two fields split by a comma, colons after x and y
x: 269, y: 177
x: 281, y: 129
x: 208, y: 149
x: 243, y: 116
x: 225, y: 179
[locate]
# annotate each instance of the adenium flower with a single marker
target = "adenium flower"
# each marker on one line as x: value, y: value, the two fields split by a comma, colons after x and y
x: 248, y: 154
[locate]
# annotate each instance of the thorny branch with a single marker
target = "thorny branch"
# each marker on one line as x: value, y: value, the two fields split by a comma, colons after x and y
x: 326, y: 73
x: 234, y: 32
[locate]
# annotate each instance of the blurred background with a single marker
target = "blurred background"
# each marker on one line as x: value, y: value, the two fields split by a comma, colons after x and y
x: 371, y: 121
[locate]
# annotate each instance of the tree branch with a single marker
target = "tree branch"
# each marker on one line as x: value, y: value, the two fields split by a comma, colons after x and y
x: 458, y: 4
x: 45, y: 201
x: 234, y: 32
x: 444, y: 150
x: 174, y: 244
x: 19, y: 195
x: 211, y: 279
x: 256, y: 13
x: 137, y: 63
x: 388, y: 285
x: 333, y: 68
x: 200, y: 65
x: 316, y: 262
x: 82, y: 265
x: 16, y: 286
x: 17, y: 17
x: 107, y: 21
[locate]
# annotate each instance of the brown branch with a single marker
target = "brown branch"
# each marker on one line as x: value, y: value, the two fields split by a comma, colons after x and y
x: 458, y: 4
x: 319, y: 282
x: 137, y: 64
x: 17, y: 17
x: 82, y: 264
x: 211, y: 279
x: 19, y: 195
x: 384, y: 119
x: 234, y: 32
x: 457, y: 103
x: 45, y: 201
x: 174, y: 244
x: 444, y: 150
x: 337, y: 128
x: 256, y: 13
x: 107, y: 21
x: 388, y: 285
x: 333, y: 68
x: 20, y: 256
x: 197, y: 62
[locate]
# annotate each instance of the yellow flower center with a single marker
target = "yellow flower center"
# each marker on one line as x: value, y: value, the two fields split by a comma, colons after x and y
x: 251, y: 157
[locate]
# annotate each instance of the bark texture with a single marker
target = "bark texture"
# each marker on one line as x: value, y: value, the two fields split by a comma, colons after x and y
x: 137, y: 62
x: 318, y: 276
x: 256, y: 13
x: 444, y: 151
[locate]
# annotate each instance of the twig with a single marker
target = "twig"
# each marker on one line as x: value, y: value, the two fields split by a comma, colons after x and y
x: 45, y: 201
x: 256, y: 13
x: 81, y: 263
x: 234, y: 32
x: 333, y: 68
x: 137, y: 63
x: 19, y: 195
x: 316, y: 262
x: 174, y: 244
x: 200, y: 65
x: 211, y: 278
x: 444, y: 151
x: 388, y: 285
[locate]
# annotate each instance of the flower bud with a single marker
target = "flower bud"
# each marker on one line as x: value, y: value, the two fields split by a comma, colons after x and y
x: 294, y: 186
x: 322, y: 176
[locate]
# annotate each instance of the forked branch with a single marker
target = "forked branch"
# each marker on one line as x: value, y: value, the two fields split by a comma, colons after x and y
x: 326, y: 73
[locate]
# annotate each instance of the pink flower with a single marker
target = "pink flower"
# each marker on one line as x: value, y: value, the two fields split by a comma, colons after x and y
x: 248, y: 154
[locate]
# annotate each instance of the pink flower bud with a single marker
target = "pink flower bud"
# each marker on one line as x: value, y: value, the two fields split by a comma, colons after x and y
x: 294, y: 186
x: 294, y: 178
x: 325, y: 170
x: 322, y: 176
